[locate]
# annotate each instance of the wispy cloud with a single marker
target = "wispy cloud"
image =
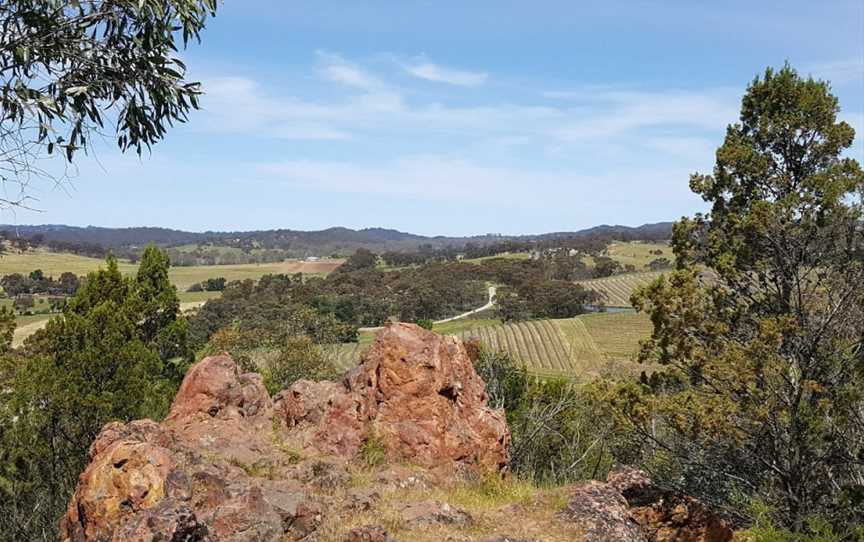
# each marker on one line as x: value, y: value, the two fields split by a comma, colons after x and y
x: 423, y: 69
x: 838, y: 72
x: 336, y: 68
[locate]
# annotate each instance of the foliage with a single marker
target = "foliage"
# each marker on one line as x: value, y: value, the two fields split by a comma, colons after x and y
x: 298, y: 358
x: 817, y: 529
x: 7, y: 329
x: 70, y: 67
x: 557, y: 436
x: 361, y: 259
x: 373, y: 452
x: 543, y: 299
x: 113, y: 355
x: 425, y: 323
x: 506, y: 381
x: 760, y: 328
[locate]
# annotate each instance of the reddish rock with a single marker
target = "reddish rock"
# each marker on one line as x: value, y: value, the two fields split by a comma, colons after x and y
x: 216, y: 470
x: 666, y: 516
x: 426, y: 402
x: 195, y: 476
x: 415, y: 391
x: 630, y: 507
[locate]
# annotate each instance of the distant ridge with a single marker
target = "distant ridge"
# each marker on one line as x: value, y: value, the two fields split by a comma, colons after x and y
x: 323, y: 241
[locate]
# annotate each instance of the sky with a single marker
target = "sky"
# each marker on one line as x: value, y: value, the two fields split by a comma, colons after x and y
x: 458, y: 118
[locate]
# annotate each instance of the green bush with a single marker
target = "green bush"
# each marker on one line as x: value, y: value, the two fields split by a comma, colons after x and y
x: 299, y: 358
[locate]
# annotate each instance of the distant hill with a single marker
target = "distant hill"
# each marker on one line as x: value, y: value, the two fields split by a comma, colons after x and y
x: 322, y: 242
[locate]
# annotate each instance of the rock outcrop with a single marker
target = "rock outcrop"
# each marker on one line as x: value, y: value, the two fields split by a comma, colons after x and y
x: 628, y: 507
x: 217, y: 467
x: 417, y: 393
x: 231, y: 464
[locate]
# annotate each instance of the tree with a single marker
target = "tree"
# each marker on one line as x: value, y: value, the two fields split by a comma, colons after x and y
x: 761, y: 327
x: 110, y: 356
x: 7, y: 329
x: 361, y: 259
x: 68, y: 67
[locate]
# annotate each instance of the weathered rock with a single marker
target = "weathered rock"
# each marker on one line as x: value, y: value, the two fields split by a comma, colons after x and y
x: 427, y: 403
x: 193, y: 477
x: 431, y: 512
x: 665, y: 516
x: 362, y: 499
x: 630, y: 505
x: 601, y: 513
x: 415, y: 391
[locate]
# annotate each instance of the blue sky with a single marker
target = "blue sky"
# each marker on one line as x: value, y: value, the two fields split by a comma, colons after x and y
x: 459, y: 117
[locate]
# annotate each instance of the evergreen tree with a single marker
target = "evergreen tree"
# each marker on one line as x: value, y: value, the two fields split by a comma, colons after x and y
x: 108, y: 357
x: 760, y: 329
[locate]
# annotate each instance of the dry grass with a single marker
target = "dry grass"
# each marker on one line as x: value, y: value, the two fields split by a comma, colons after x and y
x: 510, y: 507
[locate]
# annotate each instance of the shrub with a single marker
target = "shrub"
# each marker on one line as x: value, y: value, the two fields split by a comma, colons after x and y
x: 299, y: 358
x: 425, y: 323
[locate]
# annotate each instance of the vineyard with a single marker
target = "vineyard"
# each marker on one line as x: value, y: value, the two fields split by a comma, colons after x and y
x: 583, y: 347
x: 617, y: 289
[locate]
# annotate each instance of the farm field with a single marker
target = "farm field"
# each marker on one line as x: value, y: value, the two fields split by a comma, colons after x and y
x: 584, y: 347
x: 639, y: 254
x: 52, y: 263
x: 616, y: 290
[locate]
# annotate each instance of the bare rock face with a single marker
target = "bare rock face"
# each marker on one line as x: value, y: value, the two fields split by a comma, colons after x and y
x: 197, y: 476
x: 216, y: 469
x: 666, y: 516
x: 601, y: 513
x: 415, y: 391
x: 629, y: 507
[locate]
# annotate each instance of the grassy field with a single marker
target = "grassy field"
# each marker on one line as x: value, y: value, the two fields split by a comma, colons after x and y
x: 639, y: 254
x: 584, y: 347
x: 616, y: 290
x: 52, y: 263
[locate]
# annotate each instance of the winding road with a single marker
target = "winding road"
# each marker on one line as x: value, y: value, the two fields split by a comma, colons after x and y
x: 489, y: 304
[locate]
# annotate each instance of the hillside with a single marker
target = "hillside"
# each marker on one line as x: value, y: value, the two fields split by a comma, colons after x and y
x: 322, y: 242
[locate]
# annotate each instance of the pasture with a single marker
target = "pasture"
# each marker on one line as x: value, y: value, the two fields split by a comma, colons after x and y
x: 584, y: 347
x: 639, y: 254
x: 53, y: 263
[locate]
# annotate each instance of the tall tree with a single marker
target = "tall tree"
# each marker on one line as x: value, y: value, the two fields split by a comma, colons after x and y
x: 104, y: 359
x: 761, y: 327
x: 69, y: 67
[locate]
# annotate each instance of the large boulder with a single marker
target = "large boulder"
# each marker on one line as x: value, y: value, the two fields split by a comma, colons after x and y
x: 628, y: 507
x: 196, y: 475
x: 414, y: 391
x: 664, y: 515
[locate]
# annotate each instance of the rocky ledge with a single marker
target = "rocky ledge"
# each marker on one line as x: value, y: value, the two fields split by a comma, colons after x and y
x: 396, y: 451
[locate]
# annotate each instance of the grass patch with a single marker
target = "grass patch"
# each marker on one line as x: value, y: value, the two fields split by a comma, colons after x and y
x: 373, y: 452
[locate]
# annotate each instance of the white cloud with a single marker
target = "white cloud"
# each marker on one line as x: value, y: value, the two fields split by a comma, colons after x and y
x: 441, y: 74
x: 838, y: 72
x: 588, y: 122
x: 449, y: 180
x: 335, y: 68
